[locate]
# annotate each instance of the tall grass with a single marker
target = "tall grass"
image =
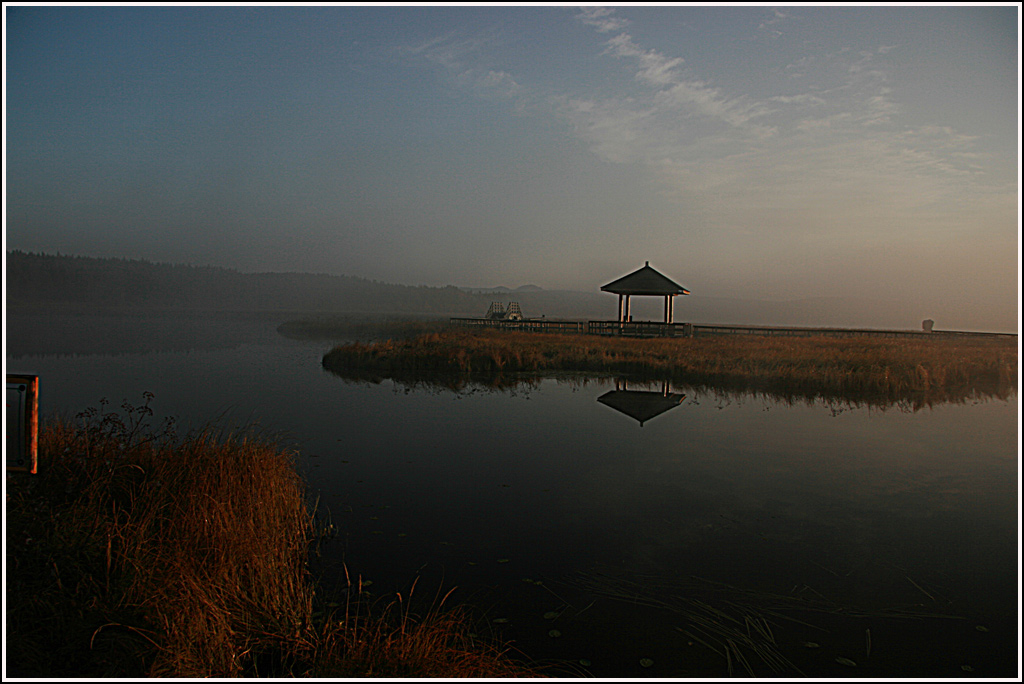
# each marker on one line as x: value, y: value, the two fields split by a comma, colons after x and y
x: 136, y: 553
x: 894, y: 369
x: 396, y: 642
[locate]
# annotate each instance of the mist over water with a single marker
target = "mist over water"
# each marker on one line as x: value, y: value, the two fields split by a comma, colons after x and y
x: 877, y: 509
x: 40, y: 284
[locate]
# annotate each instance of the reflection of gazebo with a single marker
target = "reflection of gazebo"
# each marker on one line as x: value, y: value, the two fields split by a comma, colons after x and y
x: 641, y: 406
x: 645, y: 282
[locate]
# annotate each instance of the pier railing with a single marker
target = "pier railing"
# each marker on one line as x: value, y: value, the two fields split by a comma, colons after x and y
x: 639, y: 329
x: 656, y: 329
x: 628, y: 329
x: 703, y: 330
x: 522, y: 325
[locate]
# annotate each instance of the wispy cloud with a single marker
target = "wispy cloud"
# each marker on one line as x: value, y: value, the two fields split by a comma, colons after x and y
x: 833, y: 134
x: 840, y: 137
x: 602, y: 18
x: 616, y: 130
x: 771, y: 25
x: 801, y: 99
x: 461, y: 58
x: 655, y: 68
x: 676, y: 94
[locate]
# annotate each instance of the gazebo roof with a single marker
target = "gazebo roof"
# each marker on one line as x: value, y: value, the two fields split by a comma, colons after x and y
x: 645, y: 281
x: 640, y: 406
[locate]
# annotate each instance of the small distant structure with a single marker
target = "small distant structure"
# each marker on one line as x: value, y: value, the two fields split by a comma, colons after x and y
x: 498, y: 312
x: 644, y: 282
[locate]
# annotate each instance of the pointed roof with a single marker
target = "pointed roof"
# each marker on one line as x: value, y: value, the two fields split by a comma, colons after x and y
x: 640, y: 406
x: 645, y: 281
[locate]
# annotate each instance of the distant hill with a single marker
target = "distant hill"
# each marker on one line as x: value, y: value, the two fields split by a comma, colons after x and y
x: 501, y: 289
x: 52, y: 280
x: 41, y: 280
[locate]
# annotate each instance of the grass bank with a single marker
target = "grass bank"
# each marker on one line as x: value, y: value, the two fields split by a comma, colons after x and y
x: 884, y: 368
x: 137, y: 553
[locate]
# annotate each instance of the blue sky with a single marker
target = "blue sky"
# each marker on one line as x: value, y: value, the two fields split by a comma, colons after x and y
x: 749, y: 151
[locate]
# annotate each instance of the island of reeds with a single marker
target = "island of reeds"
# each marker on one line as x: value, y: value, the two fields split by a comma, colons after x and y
x: 931, y: 368
x: 134, y: 553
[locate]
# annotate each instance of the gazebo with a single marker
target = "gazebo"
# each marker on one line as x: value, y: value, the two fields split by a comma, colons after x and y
x: 644, y: 282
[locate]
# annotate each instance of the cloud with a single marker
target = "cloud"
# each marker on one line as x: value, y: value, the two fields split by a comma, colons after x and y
x: 831, y: 138
x: 489, y: 83
x: 460, y: 57
x: 615, y: 129
x: 675, y: 94
x: 834, y: 150
x: 655, y: 69
x: 602, y: 19
x: 769, y: 25
x: 802, y: 99
x: 499, y: 82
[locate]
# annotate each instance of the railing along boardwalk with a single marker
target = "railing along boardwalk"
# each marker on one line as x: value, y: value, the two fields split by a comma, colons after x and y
x: 704, y: 330
x: 523, y: 325
x: 639, y: 329
x: 656, y: 329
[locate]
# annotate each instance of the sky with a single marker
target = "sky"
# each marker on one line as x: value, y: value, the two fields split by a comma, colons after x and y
x: 767, y: 152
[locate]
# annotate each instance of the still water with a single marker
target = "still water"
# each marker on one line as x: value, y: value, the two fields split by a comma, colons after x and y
x: 880, y: 536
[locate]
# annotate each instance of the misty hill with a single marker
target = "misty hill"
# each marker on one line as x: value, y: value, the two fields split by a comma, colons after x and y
x: 501, y: 289
x: 41, y: 281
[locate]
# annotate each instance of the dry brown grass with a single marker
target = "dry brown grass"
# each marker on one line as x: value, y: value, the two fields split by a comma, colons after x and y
x: 133, y: 553
x: 885, y: 368
x: 357, y: 641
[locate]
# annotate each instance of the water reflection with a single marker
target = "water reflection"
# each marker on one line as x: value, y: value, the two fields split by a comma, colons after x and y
x: 660, y: 395
x: 814, y: 513
x: 641, y: 405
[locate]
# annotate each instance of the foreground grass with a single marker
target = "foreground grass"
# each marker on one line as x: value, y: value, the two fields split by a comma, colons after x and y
x: 134, y: 553
x: 885, y: 368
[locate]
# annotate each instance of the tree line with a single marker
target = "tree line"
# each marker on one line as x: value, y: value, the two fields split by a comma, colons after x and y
x: 36, y: 279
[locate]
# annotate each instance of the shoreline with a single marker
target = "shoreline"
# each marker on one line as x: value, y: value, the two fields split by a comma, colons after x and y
x: 932, y: 369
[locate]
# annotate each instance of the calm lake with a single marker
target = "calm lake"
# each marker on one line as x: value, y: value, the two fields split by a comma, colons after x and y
x: 726, y: 530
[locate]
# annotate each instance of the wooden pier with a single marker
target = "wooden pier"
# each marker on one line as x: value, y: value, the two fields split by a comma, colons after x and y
x: 647, y: 281
x: 658, y: 329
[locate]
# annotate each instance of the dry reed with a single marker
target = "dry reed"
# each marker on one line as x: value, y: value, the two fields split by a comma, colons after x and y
x: 891, y: 369
x: 134, y: 553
